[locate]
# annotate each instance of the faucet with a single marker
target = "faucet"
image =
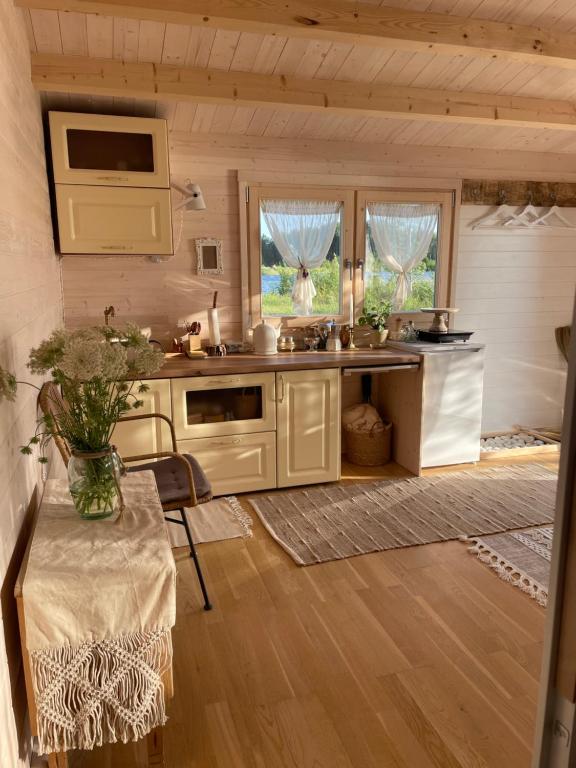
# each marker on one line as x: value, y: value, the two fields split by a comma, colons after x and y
x: 108, y: 313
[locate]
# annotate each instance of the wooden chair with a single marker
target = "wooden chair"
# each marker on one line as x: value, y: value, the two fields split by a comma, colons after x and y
x: 180, y: 479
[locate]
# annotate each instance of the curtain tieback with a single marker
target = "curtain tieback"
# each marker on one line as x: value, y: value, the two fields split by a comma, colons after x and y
x: 304, y: 272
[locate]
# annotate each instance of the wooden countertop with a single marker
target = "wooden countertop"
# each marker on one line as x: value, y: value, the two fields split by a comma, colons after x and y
x: 177, y: 365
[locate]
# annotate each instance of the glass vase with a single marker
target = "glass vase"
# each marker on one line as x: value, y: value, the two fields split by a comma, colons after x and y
x: 94, y: 482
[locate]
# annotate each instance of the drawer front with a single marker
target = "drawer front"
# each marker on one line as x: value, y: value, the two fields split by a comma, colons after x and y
x: 216, y: 406
x: 236, y: 464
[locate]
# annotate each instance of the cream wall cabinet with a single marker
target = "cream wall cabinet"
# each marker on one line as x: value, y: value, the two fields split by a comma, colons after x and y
x: 113, y: 220
x: 147, y: 435
x: 218, y: 406
x: 109, y: 150
x: 237, y: 463
x: 308, y: 432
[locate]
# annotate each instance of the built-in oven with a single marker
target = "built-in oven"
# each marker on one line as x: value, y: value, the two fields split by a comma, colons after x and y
x: 216, y: 406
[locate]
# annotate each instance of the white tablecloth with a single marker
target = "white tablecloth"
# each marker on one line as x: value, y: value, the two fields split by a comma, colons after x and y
x: 99, y: 602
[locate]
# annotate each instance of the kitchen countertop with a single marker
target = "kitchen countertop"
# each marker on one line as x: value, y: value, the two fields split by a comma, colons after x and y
x: 178, y: 365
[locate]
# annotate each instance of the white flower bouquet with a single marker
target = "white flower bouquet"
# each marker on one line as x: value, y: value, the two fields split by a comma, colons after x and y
x: 94, y: 368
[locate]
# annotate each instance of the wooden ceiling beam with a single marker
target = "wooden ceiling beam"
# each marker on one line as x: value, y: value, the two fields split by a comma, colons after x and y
x: 343, y: 21
x: 107, y: 77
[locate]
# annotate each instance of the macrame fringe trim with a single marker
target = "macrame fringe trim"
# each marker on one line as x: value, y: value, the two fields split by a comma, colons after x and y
x: 100, y: 692
x: 241, y: 515
x: 507, y: 571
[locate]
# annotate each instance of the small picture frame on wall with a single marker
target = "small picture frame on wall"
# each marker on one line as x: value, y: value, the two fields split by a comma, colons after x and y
x: 209, y: 256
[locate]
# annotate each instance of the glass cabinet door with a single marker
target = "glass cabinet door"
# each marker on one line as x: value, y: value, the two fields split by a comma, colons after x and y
x: 109, y: 150
x: 223, y: 405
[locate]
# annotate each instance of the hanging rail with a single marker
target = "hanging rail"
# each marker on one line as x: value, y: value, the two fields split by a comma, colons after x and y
x: 538, y: 193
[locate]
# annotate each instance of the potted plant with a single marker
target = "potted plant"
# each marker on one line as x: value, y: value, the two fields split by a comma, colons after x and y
x: 377, y: 319
x: 93, y: 369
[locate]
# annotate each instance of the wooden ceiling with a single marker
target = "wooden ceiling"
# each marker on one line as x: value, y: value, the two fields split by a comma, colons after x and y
x: 549, y: 75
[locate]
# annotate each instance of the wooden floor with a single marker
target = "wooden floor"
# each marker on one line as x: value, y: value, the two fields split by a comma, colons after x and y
x: 411, y: 658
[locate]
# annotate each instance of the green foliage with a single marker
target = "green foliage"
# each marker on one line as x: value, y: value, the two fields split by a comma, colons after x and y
x: 376, y: 317
x: 380, y: 291
x: 270, y: 255
x: 326, y: 281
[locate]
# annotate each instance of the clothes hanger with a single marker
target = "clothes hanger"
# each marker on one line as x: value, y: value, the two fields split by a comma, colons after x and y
x: 554, y: 213
x: 527, y: 217
x: 493, y: 219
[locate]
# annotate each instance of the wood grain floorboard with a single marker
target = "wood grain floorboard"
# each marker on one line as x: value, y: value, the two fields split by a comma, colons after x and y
x: 411, y: 658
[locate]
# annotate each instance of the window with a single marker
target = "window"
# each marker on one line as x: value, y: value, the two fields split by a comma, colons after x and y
x: 301, y: 241
x: 403, y: 247
x: 304, y: 267
x: 401, y: 254
x: 301, y: 257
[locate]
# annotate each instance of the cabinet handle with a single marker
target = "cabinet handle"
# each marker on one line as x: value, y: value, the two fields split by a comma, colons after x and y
x: 236, y: 441
x: 222, y: 382
x: 280, y: 397
x: 112, y: 178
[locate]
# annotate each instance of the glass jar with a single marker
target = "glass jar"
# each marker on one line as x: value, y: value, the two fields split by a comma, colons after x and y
x: 94, y: 482
x: 409, y: 332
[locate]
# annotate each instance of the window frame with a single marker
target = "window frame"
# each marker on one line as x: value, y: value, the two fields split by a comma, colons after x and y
x: 445, y: 247
x: 259, y: 192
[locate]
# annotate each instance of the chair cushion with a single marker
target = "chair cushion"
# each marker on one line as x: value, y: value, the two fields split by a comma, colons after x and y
x: 172, y: 480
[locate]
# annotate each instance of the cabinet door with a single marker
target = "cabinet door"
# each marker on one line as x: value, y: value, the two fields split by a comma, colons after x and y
x: 109, y: 150
x: 452, y: 407
x: 133, y: 438
x: 113, y: 220
x: 236, y: 464
x: 211, y: 406
x: 308, y: 431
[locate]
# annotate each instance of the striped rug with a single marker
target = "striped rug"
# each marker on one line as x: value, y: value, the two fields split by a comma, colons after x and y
x: 330, y: 522
x: 522, y: 558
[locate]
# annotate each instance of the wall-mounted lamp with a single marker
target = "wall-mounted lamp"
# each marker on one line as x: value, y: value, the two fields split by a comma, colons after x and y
x: 192, y: 200
x: 192, y: 197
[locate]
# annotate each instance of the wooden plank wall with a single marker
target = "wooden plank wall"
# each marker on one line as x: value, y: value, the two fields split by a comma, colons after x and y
x: 30, y: 301
x: 161, y: 295
x: 514, y: 288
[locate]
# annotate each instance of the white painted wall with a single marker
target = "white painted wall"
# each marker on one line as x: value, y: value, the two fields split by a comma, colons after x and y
x: 30, y: 306
x: 514, y: 288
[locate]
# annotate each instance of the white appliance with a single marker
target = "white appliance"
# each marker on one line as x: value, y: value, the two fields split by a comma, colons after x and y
x: 451, y: 400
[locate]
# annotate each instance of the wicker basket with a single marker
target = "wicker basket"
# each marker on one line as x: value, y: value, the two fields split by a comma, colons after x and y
x: 371, y: 448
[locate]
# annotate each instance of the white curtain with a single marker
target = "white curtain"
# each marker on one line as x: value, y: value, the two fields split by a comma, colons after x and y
x: 303, y: 231
x: 402, y: 233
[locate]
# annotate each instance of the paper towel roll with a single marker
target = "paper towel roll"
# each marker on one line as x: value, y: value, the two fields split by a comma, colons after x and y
x: 214, y: 327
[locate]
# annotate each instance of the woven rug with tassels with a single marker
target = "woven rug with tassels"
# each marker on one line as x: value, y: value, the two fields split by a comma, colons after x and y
x: 99, y: 602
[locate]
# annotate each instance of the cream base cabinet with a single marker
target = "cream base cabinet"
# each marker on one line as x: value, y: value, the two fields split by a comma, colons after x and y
x: 237, y: 463
x: 133, y: 438
x: 308, y: 427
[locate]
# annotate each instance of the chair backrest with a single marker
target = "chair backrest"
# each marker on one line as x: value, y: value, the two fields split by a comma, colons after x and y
x: 563, y: 340
x: 52, y: 404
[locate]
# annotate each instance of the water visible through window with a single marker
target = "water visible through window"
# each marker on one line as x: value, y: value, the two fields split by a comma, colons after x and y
x: 301, y: 258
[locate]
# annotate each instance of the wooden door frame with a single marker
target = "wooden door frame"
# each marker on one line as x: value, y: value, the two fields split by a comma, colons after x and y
x: 555, y: 745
